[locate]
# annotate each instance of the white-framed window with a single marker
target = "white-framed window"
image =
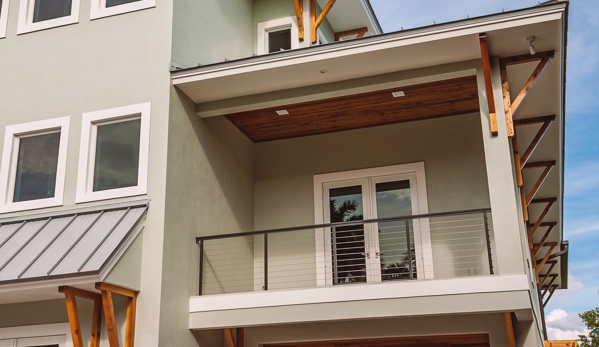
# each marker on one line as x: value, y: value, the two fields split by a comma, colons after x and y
x: 106, y: 8
x: 43, y: 14
x: 34, y: 158
x: 277, y: 34
x: 113, y: 157
x: 363, y: 252
x: 46, y: 335
x: 3, y: 17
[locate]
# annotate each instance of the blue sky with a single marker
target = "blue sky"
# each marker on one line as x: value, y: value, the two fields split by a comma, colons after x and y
x: 581, y: 208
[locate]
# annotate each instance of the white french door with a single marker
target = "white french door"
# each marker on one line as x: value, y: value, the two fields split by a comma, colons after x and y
x: 372, y: 252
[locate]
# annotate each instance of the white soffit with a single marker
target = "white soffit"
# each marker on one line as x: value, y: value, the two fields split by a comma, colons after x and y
x: 349, y: 14
x: 400, y: 51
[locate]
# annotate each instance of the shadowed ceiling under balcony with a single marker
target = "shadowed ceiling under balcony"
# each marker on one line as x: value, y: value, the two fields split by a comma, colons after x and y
x: 421, y: 101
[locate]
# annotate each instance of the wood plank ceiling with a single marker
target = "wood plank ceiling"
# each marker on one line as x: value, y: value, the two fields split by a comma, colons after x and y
x: 421, y: 101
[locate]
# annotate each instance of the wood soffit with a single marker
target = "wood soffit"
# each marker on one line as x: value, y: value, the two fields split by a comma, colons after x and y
x: 421, y: 101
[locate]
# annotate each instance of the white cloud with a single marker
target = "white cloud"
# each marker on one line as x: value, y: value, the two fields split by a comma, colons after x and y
x: 562, y: 325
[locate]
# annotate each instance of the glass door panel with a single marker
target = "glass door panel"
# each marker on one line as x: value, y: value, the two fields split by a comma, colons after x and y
x: 347, y: 242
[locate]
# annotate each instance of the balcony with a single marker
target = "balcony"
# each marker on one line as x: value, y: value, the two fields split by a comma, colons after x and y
x: 348, y: 252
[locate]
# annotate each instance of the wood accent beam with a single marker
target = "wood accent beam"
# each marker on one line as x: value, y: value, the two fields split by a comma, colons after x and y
x: 509, y: 329
x: 116, y: 289
x: 533, y: 120
x: 130, y: 323
x: 552, y: 290
x: 240, y: 337
x: 73, y: 314
x: 535, y: 141
x: 512, y: 107
x: 484, y: 50
x: 71, y: 294
x: 544, y: 277
x: 529, y: 84
x: 550, y: 226
x: 315, y: 22
x: 229, y: 337
x: 507, y: 100
x: 553, y: 277
x: 360, y: 32
x: 540, y: 265
x: 533, y: 228
x: 108, y: 305
x: 299, y: 14
x: 548, y: 165
x: 526, y: 58
x: 517, y: 161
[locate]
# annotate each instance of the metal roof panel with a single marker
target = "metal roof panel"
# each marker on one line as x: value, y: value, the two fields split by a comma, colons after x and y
x: 66, y: 243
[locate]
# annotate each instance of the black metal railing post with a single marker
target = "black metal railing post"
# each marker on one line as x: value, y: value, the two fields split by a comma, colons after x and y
x: 201, y: 244
x: 265, y: 261
x: 409, y: 245
x: 486, y: 218
x: 335, y: 265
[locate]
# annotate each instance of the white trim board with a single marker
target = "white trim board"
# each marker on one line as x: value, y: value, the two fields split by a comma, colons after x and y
x: 60, y: 332
x: 25, y: 23
x: 356, y: 292
x: 3, y: 18
x: 98, y: 8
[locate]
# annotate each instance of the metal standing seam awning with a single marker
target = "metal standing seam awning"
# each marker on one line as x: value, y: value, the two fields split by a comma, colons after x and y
x: 67, y: 243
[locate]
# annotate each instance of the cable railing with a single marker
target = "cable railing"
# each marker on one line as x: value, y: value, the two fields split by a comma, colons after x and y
x: 418, y: 247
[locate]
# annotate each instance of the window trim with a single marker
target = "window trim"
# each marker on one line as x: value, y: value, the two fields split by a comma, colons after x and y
x: 61, y: 330
x: 3, y: 18
x: 10, y: 157
x: 275, y: 25
x: 26, y: 25
x: 99, y: 10
x: 87, y: 152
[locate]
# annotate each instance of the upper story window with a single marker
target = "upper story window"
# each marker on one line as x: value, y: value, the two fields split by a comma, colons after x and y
x: 3, y: 17
x: 113, y: 160
x: 33, y: 165
x: 276, y: 35
x: 43, y: 14
x: 105, y: 8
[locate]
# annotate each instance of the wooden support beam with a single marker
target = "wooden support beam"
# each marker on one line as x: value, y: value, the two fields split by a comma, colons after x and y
x: 517, y: 161
x: 526, y: 58
x: 94, y: 340
x: 533, y: 120
x: 524, y: 207
x: 116, y: 289
x: 552, y: 290
x: 512, y: 107
x: 535, y: 141
x: 548, y: 165
x: 484, y: 50
x: 113, y: 337
x: 539, y: 221
x: 359, y: 32
x: 553, y: 277
x: 544, y: 277
x: 73, y: 315
x: 540, y: 265
x: 71, y: 294
x: 240, y: 337
x: 509, y: 329
x: 229, y: 337
x: 315, y: 22
x: 130, y: 323
x: 537, y: 247
x: 529, y: 84
x: 299, y: 14
x: 507, y: 100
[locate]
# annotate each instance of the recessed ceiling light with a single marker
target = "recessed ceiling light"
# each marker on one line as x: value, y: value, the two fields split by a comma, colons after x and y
x: 282, y: 112
x: 324, y: 71
x: 398, y: 94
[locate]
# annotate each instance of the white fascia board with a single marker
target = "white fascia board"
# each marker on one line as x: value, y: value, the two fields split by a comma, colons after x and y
x: 411, y: 37
x: 358, y: 292
x: 45, y: 283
